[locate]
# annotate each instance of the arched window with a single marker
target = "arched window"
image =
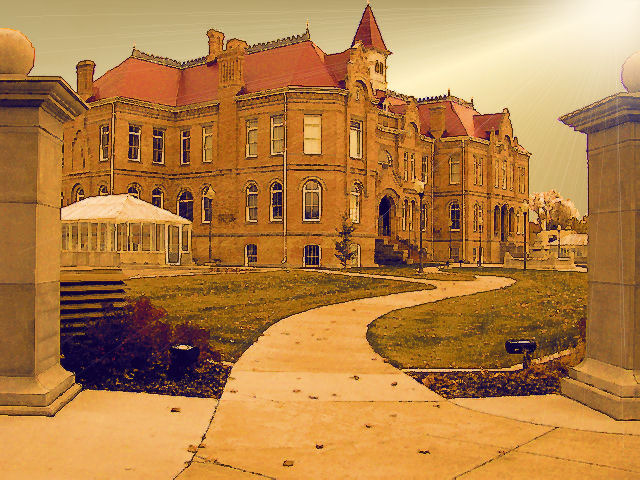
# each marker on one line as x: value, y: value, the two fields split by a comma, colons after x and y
x: 134, y: 191
x: 311, y: 257
x: 275, y: 209
x: 312, y: 200
x: 454, y: 216
x: 207, y: 204
x: 354, y: 203
x: 185, y: 205
x: 251, y: 210
x: 103, y: 190
x: 79, y: 196
x: 250, y: 254
x: 157, y: 197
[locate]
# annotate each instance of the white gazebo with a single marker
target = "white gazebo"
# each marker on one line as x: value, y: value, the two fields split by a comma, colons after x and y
x: 114, y: 230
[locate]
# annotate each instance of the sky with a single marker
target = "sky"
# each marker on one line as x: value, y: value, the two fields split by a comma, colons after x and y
x: 539, y: 58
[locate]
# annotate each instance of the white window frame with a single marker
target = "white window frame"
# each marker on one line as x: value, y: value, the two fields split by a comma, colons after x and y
x: 312, y: 143
x: 413, y: 166
x: 79, y: 194
x: 135, y: 137
x: 158, y: 133
x: 354, y: 203
x: 272, y: 205
x: 510, y: 176
x: 105, y: 142
x: 277, y: 122
x: 251, y: 128
x: 246, y: 254
x: 425, y: 171
x: 454, y: 171
x: 155, y: 195
x: 137, y: 190
x: 424, y: 219
x: 207, y: 135
x: 251, y: 192
x: 355, y: 139
x: 305, y: 191
x: 452, y: 227
x: 204, y: 210
x: 103, y: 190
x: 304, y: 255
x: 186, y: 201
x: 185, y: 147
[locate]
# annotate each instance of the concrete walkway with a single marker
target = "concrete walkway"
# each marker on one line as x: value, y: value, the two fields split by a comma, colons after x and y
x: 311, y: 400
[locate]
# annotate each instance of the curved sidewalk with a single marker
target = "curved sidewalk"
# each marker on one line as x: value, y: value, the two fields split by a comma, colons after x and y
x: 311, y: 400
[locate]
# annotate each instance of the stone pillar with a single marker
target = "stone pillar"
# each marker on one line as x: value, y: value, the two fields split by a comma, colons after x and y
x: 32, y: 110
x: 608, y: 379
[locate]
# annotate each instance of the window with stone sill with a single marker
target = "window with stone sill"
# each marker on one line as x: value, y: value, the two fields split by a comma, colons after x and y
x: 277, y: 135
x: 355, y: 139
x: 251, y: 146
x: 207, y: 144
x: 158, y: 146
x: 311, y: 256
x: 134, y: 143
x: 312, y: 134
x: 354, y: 204
x: 157, y: 198
x: 105, y: 143
x: 311, y: 201
x: 454, y: 216
x: 251, y: 209
x: 185, y: 147
x: 250, y: 254
x: 454, y: 171
x: 275, y: 209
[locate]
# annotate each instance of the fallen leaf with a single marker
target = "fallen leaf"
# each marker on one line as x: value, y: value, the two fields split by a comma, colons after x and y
x: 287, y: 463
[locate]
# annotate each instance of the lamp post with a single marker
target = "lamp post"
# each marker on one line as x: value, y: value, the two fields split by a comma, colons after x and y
x: 419, y: 186
x: 209, y: 196
x: 450, y: 228
x: 480, y: 222
x: 525, y: 212
x: 558, y: 240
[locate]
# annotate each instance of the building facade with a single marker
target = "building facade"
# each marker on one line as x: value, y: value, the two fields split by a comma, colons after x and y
x: 266, y: 147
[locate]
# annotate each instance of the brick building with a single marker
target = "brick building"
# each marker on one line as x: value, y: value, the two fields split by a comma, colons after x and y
x: 266, y: 146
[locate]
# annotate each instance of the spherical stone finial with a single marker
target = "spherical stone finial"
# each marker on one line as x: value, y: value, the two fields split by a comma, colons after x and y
x: 16, y: 52
x: 631, y: 73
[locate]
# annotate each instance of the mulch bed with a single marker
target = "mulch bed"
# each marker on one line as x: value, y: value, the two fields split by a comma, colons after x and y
x: 537, y: 380
x: 207, y: 380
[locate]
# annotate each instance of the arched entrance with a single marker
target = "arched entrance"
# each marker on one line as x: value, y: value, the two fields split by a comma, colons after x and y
x: 386, y: 214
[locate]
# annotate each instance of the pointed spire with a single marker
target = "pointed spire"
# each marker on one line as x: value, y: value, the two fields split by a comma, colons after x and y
x: 368, y: 32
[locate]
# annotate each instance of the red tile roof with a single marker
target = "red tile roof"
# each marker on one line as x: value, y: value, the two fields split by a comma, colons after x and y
x: 336, y: 64
x: 458, y: 119
x: 487, y: 123
x: 368, y: 32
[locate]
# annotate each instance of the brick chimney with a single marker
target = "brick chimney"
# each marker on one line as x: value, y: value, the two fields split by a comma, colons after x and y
x: 436, y: 119
x: 216, y: 41
x: 231, y: 64
x: 84, y: 71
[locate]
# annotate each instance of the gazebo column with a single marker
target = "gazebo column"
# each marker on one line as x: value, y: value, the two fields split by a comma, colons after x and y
x: 608, y: 379
x: 32, y: 112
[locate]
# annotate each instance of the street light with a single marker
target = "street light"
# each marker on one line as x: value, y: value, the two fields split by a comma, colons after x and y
x: 419, y: 187
x: 558, y: 240
x: 480, y: 222
x: 525, y: 212
x: 208, y: 194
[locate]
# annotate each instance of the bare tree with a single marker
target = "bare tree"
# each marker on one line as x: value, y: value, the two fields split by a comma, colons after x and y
x: 553, y: 210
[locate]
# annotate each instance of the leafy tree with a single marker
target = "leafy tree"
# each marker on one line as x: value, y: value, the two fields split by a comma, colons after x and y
x: 344, y: 246
x: 553, y: 210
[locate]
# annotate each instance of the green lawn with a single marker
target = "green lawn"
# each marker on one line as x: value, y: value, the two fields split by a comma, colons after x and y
x: 412, y: 271
x: 237, y: 308
x: 467, y: 332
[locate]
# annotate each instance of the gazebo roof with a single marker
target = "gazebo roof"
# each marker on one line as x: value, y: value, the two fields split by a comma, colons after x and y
x: 118, y: 208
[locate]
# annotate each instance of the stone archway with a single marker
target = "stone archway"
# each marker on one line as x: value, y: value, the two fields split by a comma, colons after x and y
x: 386, y: 216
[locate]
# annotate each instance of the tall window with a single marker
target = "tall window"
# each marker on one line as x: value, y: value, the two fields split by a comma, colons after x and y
x: 480, y: 171
x: 312, y: 134
x: 277, y: 135
x: 405, y: 166
x: 157, y: 198
x: 405, y: 212
x: 134, y: 143
x: 207, y: 144
x: 355, y: 139
x: 185, y: 205
x: 311, y: 256
x: 413, y: 167
x: 454, y: 171
x: 354, y: 204
x: 207, y: 204
x: 424, y: 219
x: 454, y: 216
x: 423, y: 172
x: 496, y: 173
x: 134, y: 191
x: 105, y: 141
x: 251, y: 146
x: 103, y: 190
x: 158, y: 145
x: 185, y: 147
x: 523, y: 185
x: 504, y: 174
x: 412, y: 208
x: 311, y: 200
x: 251, y: 210
x: 510, y: 176
x: 276, y: 201
x: 250, y: 254
x: 477, y: 171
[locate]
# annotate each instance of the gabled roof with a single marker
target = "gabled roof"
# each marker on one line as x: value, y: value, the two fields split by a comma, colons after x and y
x: 458, y: 119
x: 149, y: 78
x: 368, y: 32
x: 118, y: 208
